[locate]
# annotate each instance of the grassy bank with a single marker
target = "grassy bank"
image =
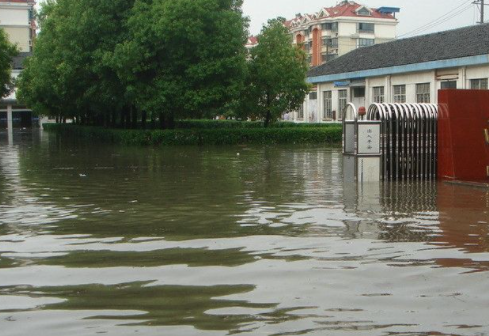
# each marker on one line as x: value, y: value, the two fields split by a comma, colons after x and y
x: 330, y: 134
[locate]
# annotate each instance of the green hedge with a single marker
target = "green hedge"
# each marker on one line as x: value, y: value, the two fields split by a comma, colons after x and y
x: 296, y: 135
x: 213, y: 124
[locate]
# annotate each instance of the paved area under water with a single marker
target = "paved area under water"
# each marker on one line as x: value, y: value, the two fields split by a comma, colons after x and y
x: 100, y: 239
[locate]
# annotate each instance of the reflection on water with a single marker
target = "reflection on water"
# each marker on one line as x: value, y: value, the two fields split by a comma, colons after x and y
x: 231, y: 240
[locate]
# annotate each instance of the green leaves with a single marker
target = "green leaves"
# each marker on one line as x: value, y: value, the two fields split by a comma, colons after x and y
x: 190, y: 50
x: 7, y: 52
x: 277, y: 72
x: 117, y: 60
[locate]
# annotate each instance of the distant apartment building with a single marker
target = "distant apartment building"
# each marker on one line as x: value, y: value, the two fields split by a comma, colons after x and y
x: 18, y: 21
x: 251, y: 43
x: 337, y: 30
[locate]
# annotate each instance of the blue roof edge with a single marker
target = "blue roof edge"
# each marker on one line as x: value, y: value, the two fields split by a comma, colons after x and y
x: 386, y: 9
x: 416, y: 67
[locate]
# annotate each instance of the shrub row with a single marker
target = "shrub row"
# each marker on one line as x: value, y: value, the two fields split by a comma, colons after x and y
x: 213, y: 124
x: 296, y: 135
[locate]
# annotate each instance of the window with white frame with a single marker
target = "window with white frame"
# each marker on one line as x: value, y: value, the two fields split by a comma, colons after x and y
x: 330, y: 42
x: 342, y: 101
x: 423, y: 93
x: 379, y: 95
x: 399, y: 93
x: 364, y: 27
x: 364, y: 11
x: 327, y: 105
x: 478, y: 84
x: 363, y: 42
x: 449, y: 84
x: 300, y: 114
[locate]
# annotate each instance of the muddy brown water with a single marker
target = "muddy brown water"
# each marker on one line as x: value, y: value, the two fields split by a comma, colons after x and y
x: 101, y: 239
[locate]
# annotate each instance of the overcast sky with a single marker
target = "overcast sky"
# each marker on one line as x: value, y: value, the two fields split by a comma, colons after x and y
x: 414, y: 13
x: 416, y: 17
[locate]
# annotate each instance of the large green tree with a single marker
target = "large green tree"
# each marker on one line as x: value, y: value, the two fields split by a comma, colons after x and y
x: 184, y: 58
x: 7, y: 52
x: 102, y: 60
x: 276, y: 79
x: 68, y: 74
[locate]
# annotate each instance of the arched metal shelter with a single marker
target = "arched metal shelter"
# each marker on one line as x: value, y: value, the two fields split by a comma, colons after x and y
x: 408, y: 140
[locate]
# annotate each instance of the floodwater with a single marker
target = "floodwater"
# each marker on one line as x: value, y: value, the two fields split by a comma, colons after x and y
x: 100, y: 239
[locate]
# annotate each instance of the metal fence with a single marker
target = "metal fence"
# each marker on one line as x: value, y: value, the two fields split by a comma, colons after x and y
x: 408, y: 140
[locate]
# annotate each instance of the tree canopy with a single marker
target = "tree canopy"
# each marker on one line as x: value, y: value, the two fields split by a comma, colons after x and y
x: 277, y: 70
x: 7, y: 52
x: 120, y: 62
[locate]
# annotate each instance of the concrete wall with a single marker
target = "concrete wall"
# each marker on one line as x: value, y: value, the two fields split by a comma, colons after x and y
x: 14, y: 19
x: 385, y: 31
x: 14, y: 16
x: 19, y: 36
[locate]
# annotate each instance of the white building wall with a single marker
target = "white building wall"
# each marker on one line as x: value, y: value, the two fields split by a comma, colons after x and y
x: 385, y: 31
x: 14, y: 17
x: 347, y: 28
x: 462, y: 75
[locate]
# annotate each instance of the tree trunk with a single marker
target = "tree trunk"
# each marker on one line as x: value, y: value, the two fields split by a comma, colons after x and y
x: 113, y: 121
x: 144, y: 116
x: 127, y: 122
x: 171, y: 121
x: 267, y: 119
x: 134, y: 112
x: 162, y: 120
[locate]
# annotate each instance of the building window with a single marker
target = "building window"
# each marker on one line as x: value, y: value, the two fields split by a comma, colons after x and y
x: 399, y: 93
x: 359, y: 92
x: 328, y: 57
x: 379, y: 95
x: 478, y: 84
x: 365, y: 42
x: 300, y: 113
x: 333, y: 26
x: 313, y: 95
x: 327, y: 26
x: 449, y: 84
x: 342, y: 97
x: 366, y: 27
x: 423, y: 93
x: 364, y: 12
x: 328, y: 105
x: 330, y: 42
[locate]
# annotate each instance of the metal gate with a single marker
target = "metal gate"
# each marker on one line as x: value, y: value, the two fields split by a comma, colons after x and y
x: 408, y: 140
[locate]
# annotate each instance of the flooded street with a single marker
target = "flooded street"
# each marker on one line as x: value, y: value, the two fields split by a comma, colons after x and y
x: 102, y: 239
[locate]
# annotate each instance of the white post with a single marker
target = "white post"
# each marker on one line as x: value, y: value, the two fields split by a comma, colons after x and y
x: 10, y: 128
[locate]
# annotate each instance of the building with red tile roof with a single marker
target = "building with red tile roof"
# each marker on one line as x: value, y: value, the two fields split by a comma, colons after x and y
x: 251, y: 42
x: 335, y: 31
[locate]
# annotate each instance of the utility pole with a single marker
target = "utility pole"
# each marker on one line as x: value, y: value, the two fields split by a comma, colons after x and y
x: 482, y: 11
x: 482, y: 5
